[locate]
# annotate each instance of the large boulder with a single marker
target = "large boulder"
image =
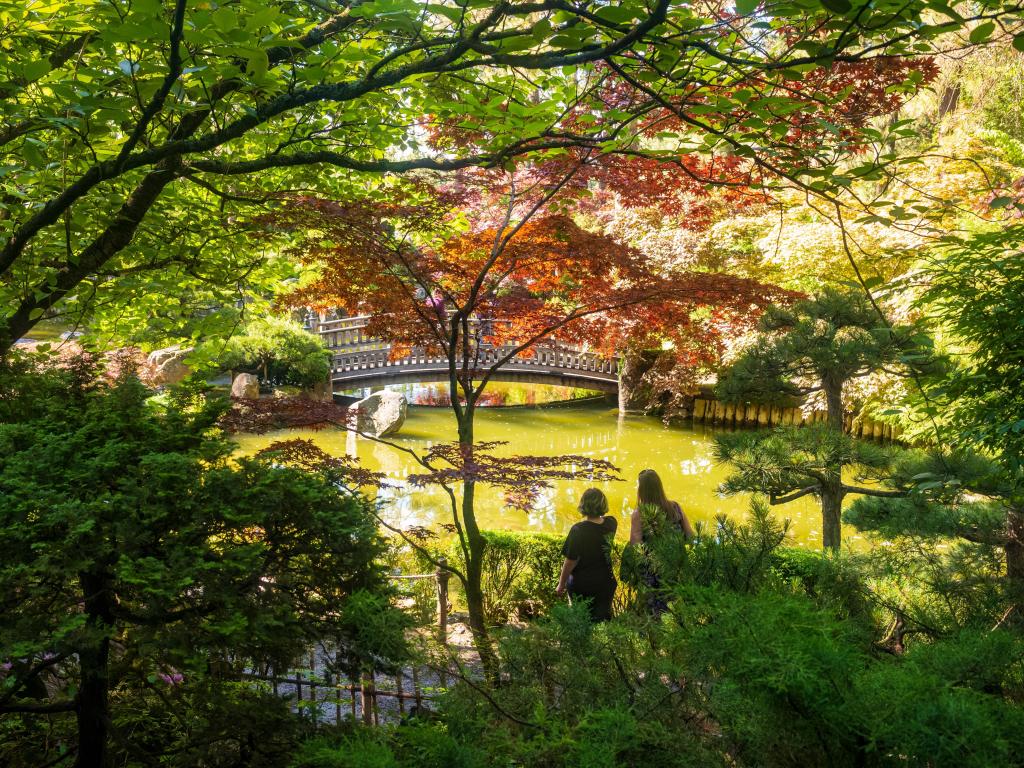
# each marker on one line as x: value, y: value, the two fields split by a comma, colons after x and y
x: 246, y: 386
x: 167, y: 365
x: 380, y: 414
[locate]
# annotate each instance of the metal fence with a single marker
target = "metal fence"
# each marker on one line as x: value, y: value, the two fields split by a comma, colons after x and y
x: 324, y: 694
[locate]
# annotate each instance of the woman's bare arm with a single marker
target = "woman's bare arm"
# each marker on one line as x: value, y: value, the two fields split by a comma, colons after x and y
x: 687, y: 528
x: 563, y: 577
x: 636, y: 531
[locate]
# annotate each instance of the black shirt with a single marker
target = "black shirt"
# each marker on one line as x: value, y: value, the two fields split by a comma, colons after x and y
x: 590, y: 545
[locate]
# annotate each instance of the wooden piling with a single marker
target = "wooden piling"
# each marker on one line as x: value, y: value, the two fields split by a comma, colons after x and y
x: 700, y: 407
x: 750, y: 415
x: 730, y: 414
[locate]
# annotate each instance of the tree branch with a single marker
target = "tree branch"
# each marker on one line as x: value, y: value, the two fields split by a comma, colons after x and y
x: 774, y: 500
x: 874, y: 492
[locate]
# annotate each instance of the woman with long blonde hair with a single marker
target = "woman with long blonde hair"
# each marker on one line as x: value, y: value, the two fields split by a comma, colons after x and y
x: 655, y: 516
x: 651, y: 497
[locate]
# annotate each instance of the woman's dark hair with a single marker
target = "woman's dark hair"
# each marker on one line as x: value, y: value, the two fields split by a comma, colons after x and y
x: 593, y: 503
x: 649, y: 490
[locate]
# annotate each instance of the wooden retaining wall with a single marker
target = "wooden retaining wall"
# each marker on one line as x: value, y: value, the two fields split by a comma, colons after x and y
x: 714, y: 412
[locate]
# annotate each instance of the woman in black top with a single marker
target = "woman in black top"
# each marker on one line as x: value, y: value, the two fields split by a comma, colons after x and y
x: 587, y: 570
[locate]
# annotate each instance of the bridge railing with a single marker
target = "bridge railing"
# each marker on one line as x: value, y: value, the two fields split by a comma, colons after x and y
x: 356, y: 353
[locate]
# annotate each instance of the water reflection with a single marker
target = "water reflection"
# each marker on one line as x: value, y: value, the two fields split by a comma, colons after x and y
x: 497, y: 394
x: 681, y: 455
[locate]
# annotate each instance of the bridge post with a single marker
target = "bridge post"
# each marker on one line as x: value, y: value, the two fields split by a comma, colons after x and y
x: 632, y: 367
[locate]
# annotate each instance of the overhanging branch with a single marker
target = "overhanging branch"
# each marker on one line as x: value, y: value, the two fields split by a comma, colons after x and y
x: 773, y: 499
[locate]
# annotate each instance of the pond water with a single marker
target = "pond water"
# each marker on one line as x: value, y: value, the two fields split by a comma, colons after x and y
x: 682, y: 455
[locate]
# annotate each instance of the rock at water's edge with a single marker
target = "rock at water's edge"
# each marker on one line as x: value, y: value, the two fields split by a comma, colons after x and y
x: 246, y: 386
x: 380, y: 414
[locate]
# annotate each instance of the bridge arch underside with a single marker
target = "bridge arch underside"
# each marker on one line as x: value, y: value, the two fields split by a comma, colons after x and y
x: 382, y: 377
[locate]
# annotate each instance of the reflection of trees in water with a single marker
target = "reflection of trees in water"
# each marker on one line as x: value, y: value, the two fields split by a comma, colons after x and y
x: 700, y: 465
x: 496, y: 395
x: 405, y: 506
x: 544, y: 512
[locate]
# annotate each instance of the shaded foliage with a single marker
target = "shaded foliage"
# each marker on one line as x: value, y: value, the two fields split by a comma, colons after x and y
x: 146, y: 558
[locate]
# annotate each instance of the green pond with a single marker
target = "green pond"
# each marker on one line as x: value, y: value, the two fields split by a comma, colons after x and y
x: 682, y: 455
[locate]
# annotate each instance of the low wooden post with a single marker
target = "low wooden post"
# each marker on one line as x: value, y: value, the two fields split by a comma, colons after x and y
x: 399, y: 689
x: 416, y: 692
x: 443, y: 575
x: 366, y: 697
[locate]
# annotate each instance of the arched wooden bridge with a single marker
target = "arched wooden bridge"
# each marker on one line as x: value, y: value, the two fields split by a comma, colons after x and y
x: 364, y: 361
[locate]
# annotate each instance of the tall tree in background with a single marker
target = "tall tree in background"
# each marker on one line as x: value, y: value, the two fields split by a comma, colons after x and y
x: 818, y: 345
x: 136, y: 132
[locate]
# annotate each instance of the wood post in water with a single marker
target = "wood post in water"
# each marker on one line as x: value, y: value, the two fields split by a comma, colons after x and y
x: 700, y: 408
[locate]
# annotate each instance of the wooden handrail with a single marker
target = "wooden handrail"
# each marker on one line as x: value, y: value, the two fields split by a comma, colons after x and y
x: 355, y: 353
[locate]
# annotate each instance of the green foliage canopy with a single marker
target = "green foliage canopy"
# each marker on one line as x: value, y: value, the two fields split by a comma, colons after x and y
x: 133, y: 134
x: 818, y: 344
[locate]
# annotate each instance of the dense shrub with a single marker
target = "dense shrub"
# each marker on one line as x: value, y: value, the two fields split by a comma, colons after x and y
x: 279, y: 351
x: 520, y: 572
x: 413, y: 745
x: 767, y: 656
x: 836, y: 581
x: 141, y: 566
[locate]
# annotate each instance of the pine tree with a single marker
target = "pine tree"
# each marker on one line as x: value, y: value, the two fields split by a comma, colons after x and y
x: 817, y: 345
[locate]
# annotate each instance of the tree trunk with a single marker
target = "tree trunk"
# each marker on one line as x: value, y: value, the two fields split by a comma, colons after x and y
x: 635, y: 363
x: 1014, y: 547
x: 476, y: 545
x: 832, y: 491
x: 94, y: 687
x: 831, y: 516
x: 475, y: 604
x: 833, y: 402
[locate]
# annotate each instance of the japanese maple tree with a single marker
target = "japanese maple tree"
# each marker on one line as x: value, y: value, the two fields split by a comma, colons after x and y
x: 481, y: 295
